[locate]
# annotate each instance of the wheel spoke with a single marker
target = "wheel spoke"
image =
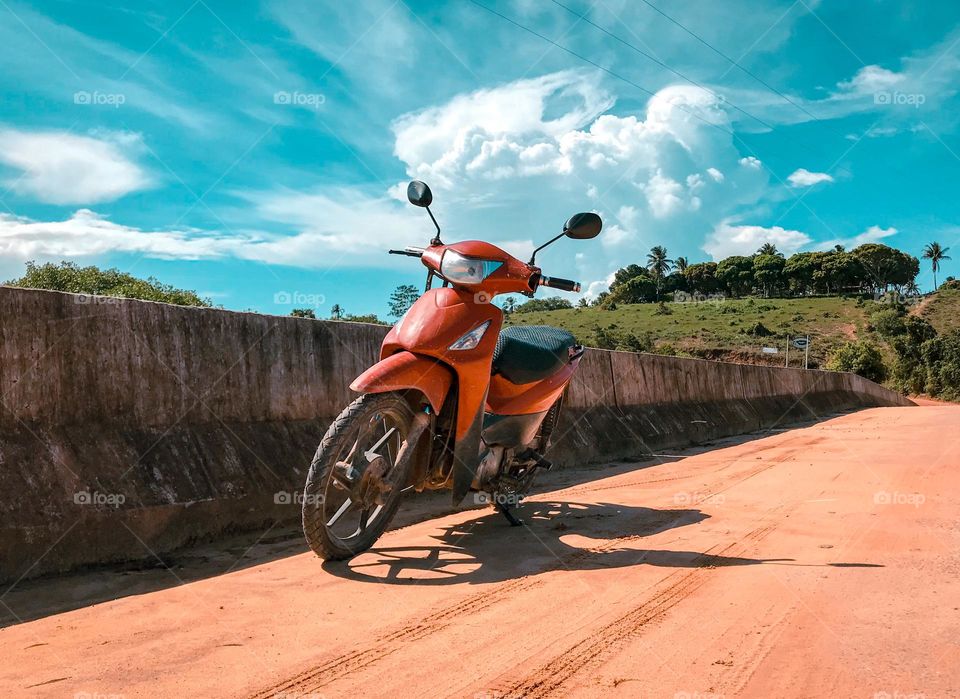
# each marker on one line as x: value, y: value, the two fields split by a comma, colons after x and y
x: 373, y: 449
x: 343, y: 508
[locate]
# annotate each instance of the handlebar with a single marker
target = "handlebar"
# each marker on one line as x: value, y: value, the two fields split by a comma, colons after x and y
x: 535, y: 281
x: 409, y: 251
x: 561, y: 284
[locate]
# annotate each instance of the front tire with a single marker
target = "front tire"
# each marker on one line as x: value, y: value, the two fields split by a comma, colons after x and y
x: 356, y: 478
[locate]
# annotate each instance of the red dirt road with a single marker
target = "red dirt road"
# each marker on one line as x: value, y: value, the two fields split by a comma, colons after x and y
x: 820, y: 561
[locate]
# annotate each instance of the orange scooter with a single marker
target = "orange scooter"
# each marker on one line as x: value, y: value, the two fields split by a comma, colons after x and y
x: 454, y: 402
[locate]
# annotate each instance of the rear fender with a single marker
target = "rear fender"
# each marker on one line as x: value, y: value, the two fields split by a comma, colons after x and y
x: 406, y: 370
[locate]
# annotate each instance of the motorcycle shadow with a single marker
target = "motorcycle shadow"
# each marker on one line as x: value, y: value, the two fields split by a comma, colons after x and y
x: 555, y: 536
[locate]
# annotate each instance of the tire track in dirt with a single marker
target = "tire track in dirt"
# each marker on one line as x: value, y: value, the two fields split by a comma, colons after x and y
x: 345, y: 665
x: 750, y: 473
x: 549, y: 678
x: 348, y: 664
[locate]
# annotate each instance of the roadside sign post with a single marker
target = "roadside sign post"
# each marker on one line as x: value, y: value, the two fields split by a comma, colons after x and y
x: 786, y: 362
x: 804, y: 344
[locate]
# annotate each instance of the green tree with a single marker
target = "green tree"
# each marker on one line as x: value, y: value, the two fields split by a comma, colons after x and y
x: 702, y: 277
x: 551, y: 303
x: 303, y: 313
x: 336, y: 312
x: 367, y: 318
x: 769, y: 249
x: 768, y: 272
x: 736, y: 274
x: 859, y: 357
x: 639, y: 289
x: 681, y: 264
x: 69, y: 277
x: 936, y: 254
x: 941, y: 356
x: 885, y: 266
x: 659, y: 264
x: 402, y: 298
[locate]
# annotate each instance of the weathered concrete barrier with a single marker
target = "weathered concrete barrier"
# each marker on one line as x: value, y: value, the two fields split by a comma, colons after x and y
x: 129, y: 428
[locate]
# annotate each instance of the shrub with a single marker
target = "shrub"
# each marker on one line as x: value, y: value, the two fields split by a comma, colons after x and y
x: 861, y: 358
x: 92, y: 280
x: 551, y: 303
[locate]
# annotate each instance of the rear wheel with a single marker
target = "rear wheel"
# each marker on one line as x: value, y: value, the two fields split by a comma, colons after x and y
x: 358, y: 473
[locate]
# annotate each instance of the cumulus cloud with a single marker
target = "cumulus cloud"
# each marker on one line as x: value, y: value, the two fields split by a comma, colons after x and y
x: 730, y: 239
x: 804, y: 178
x: 58, y: 167
x: 87, y: 233
x: 874, y: 234
x: 507, y: 164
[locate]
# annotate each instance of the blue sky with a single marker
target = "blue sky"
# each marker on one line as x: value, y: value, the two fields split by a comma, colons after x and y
x: 258, y: 152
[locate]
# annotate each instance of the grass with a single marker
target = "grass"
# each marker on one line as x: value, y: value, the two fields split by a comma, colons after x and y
x: 719, y: 329
x: 942, y: 310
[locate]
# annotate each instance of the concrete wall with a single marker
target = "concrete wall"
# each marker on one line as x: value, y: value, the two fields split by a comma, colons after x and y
x: 184, y: 424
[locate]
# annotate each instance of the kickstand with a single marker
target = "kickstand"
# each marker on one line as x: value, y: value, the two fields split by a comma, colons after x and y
x: 507, y: 512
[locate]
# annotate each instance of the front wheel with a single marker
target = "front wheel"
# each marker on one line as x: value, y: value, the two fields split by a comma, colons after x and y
x: 357, y: 475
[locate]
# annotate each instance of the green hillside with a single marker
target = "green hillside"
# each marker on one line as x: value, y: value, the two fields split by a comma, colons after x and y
x: 737, y: 329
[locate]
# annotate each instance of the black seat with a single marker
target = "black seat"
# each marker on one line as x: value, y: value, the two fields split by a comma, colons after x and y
x: 530, y: 353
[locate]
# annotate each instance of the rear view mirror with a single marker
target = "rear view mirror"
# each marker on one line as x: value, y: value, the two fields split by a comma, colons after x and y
x: 583, y: 226
x: 419, y: 194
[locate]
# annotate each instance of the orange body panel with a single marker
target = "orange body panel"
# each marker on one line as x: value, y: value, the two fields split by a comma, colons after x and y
x: 437, y: 320
x: 512, y: 277
x: 505, y: 398
x: 405, y: 370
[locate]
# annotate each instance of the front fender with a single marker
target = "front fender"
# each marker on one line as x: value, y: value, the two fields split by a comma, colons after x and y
x: 405, y: 370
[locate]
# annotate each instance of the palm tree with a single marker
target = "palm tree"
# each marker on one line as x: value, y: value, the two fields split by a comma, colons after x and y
x: 936, y: 255
x: 768, y: 249
x: 336, y: 312
x: 681, y: 263
x: 659, y: 265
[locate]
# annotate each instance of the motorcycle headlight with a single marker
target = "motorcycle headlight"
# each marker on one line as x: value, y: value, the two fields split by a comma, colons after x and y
x: 466, y: 270
x: 471, y: 339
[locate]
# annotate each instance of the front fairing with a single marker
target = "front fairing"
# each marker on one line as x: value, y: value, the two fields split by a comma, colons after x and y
x: 441, y: 317
x: 437, y: 320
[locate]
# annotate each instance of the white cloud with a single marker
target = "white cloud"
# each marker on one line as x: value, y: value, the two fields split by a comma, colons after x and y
x: 729, y: 239
x: 870, y: 79
x: 87, y: 233
x: 57, y: 167
x: 874, y: 234
x: 513, y: 159
x: 804, y: 178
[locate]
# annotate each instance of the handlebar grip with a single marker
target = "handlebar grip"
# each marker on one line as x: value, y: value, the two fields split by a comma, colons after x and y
x: 409, y: 252
x: 561, y: 284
